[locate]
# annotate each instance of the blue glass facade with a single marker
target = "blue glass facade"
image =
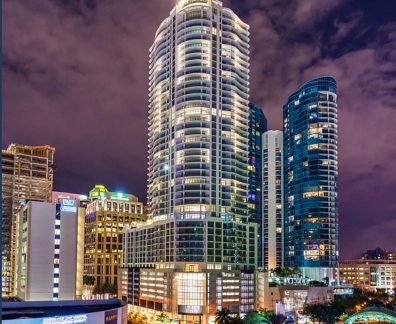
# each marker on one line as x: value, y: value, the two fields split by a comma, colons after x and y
x: 310, y: 176
x: 257, y: 127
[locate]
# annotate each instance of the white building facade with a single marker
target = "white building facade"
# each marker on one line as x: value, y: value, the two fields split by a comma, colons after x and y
x: 272, y: 200
x: 50, y: 251
x: 201, y: 248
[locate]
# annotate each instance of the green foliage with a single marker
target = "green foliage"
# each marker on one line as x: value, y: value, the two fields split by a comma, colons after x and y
x: 162, y: 317
x: 105, y: 289
x: 342, y: 308
x: 254, y: 318
x: 223, y: 316
x: 327, y: 313
x: 237, y: 320
x: 88, y: 281
x: 137, y: 318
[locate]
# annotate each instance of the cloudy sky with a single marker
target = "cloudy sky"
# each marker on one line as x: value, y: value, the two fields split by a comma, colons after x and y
x: 75, y: 77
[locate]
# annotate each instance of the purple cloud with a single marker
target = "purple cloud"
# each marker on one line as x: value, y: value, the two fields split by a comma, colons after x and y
x: 75, y: 76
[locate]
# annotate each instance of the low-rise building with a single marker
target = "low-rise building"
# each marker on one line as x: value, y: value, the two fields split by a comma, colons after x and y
x: 49, y: 251
x: 369, y: 274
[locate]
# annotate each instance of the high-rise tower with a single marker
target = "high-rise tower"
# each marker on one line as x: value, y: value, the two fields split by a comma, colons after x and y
x: 201, y: 237
x: 27, y: 174
x: 272, y: 223
x: 310, y: 178
x: 257, y: 127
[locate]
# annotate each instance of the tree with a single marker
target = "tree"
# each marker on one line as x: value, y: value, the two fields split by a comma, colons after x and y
x: 288, y: 273
x: 162, y: 317
x: 137, y: 318
x: 88, y: 281
x: 276, y: 318
x: 104, y: 289
x: 254, y: 318
x: 223, y: 316
x: 324, y: 313
x: 237, y: 320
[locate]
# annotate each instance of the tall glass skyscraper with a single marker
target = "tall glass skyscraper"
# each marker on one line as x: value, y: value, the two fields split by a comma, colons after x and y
x: 201, y: 246
x: 310, y: 178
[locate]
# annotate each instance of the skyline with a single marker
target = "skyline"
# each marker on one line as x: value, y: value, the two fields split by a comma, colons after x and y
x: 26, y: 71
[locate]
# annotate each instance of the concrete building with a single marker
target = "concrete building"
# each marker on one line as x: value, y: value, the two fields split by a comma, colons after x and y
x: 106, y: 215
x: 311, y: 179
x: 27, y: 174
x: 49, y: 246
x: 272, y: 200
x: 369, y: 274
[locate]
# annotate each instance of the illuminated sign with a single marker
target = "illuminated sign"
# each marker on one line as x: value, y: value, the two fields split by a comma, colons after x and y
x: 70, y: 319
x: 111, y: 317
x: 68, y: 205
x: 120, y: 196
x: 114, y: 316
x: 189, y: 309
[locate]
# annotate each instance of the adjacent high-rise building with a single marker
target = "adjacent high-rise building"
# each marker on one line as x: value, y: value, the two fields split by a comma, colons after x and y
x: 272, y: 223
x: 310, y: 178
x: 106, y: 215
x: 257, y: 127
x: 201, y: 248
x: 49, y: 251
x: 27, y: 174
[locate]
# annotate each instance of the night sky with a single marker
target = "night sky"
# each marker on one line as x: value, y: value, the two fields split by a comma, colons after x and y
x: 75, y: 76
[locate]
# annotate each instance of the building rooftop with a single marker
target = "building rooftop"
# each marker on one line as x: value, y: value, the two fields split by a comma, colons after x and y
x: 26, y: 310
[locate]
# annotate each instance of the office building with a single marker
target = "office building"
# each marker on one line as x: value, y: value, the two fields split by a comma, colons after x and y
x: 310, y: 179
x: 272, y: 200
x: 257, y: 127
x: 201, y: 248
x: 369, y: 274
x: 27, y: 174
x: 106, y: 215
x: 49, y: 251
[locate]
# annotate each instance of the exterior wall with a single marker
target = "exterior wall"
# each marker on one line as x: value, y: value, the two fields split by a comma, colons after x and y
x: 198, y: 142
x: 153, y: 245
x: 310, y: 173
x: 202, y: 238
x: 47, y: 253
x: 80, y: 252
x: 369, y: 274
x: 27, y: 174
x: 189, y: 295
x: 7, y: 177
x: 257, y: 127
x: 36, y: 246
x: 272, y: 200
x: 105, y: 219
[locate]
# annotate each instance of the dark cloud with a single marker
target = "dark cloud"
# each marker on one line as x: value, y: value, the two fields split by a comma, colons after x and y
x: 75, y: 76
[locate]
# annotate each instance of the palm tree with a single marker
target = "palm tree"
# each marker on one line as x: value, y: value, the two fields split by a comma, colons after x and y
x: 254, y: 318
x: 162, y: 317
x: 88, y: 281
x: 276, y: 318
x: 223, y: 316
x: 237, y: 320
